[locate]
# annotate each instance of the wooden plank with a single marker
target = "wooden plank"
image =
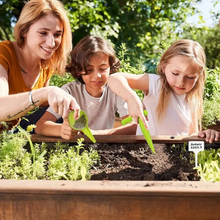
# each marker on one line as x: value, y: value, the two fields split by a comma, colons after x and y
x: 105, y: 200
x: 120, y: 139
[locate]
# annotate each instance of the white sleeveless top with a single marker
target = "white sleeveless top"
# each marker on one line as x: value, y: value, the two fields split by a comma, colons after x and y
x: 177, y: 118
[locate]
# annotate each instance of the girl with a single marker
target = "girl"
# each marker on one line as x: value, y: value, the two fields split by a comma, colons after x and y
x: 92, y: 60
x: 43, y: 42
x: 173, y: 98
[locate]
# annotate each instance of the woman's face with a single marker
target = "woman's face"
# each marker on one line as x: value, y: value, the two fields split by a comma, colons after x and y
x: 98, y: 71
x: 44, y: 37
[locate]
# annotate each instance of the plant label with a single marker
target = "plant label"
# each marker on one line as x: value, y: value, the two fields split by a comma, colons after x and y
x: 196, y: 147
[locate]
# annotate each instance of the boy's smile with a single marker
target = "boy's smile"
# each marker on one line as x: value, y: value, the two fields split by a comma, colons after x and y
x: 98, y: 71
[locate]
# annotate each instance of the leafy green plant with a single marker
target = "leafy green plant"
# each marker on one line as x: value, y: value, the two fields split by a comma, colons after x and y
x: 209, y: 165
x: 211, y: 99
x: 126, y: 66
x: 212, y: 84
x: 62, y: 162
x: 66, y: 162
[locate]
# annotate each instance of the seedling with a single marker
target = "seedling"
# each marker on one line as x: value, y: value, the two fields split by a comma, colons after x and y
x: 145, y: 132
x: 81, y: 124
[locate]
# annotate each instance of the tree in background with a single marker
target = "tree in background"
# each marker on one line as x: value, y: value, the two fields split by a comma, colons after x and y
x: 9, y: 13
x: 141, y: 24
x: 209, y: 38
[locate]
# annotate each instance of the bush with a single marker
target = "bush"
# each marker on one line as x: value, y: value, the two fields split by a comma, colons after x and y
x: 211, y: 104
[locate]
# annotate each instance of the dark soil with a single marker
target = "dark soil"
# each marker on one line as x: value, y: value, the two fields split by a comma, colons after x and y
x: 137, y: 162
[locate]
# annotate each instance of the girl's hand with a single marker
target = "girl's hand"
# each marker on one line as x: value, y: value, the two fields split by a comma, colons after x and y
x: 135, y: 109
x: 67, y: 132
x: 62, y: 102
x: 210, y: 135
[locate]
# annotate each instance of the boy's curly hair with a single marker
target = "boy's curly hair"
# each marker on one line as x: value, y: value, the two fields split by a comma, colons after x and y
x: 87, y: 48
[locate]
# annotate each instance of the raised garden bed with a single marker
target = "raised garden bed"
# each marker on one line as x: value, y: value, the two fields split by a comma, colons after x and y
x: 105, y: 200
x: 125, y: 157
x: 164, y: 186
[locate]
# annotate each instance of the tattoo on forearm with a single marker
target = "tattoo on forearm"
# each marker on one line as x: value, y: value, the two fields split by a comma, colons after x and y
x: 36, y: 103
x: 23, y: 110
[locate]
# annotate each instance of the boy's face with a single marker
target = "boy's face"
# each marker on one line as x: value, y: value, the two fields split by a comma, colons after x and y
x: 98, y: 71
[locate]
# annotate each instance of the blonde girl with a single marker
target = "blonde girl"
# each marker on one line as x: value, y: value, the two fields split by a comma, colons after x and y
x: 173, y: 97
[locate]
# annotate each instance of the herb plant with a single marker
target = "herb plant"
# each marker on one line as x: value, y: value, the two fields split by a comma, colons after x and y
x: 17, y: 161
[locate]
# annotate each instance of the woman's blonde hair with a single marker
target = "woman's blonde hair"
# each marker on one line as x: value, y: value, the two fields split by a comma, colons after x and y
x: 194, y: 50
x: 32, y: 12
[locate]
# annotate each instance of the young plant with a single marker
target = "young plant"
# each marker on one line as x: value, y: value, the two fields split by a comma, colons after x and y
x: 66, y: 162
x: 209, y: 165
x: 63, y: 162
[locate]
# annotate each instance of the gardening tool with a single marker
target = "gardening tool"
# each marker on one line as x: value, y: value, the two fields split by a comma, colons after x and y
x: 81, y: 124
x: 145, y: 132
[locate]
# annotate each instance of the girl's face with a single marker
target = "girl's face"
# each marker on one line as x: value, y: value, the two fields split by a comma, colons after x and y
x: 181, y: 73
x: 98, y: 72
x: 44, y: 36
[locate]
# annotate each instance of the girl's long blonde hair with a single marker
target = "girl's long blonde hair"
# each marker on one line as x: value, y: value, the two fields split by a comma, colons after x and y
x: 194, y: 50
x: 33, y: 11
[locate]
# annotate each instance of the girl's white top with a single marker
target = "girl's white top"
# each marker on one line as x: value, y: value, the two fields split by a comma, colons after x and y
x: 177, y: 118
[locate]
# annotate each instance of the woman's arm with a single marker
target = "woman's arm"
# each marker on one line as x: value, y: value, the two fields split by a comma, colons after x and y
x: 15, y: 106
x: 46, y: 84
x: 123, y: 84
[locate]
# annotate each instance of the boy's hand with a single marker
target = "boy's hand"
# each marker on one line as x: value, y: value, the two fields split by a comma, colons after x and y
x: 67, y: 132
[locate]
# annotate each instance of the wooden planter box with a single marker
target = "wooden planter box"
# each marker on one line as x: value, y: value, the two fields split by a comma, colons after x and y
x: 108, y: 200
x: 120, y: 139
x: 105, y: 200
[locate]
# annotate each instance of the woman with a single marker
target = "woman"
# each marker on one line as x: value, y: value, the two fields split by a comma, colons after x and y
x: 43, y: 42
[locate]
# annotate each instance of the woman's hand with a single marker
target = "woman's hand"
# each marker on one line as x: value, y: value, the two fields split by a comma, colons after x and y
x: 210, y: 135
x: 67, y: 132
x: 62, y: 102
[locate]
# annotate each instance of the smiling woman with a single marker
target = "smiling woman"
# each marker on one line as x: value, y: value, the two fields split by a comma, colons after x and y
x: 43, y: 43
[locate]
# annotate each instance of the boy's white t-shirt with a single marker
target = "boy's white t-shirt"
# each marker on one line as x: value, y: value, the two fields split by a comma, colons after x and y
x: 177, y: 118
x: 100, y: 111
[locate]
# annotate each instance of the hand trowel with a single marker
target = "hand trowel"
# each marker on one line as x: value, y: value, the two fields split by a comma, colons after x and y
x: 81, y: 124
x: 145, y: 132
